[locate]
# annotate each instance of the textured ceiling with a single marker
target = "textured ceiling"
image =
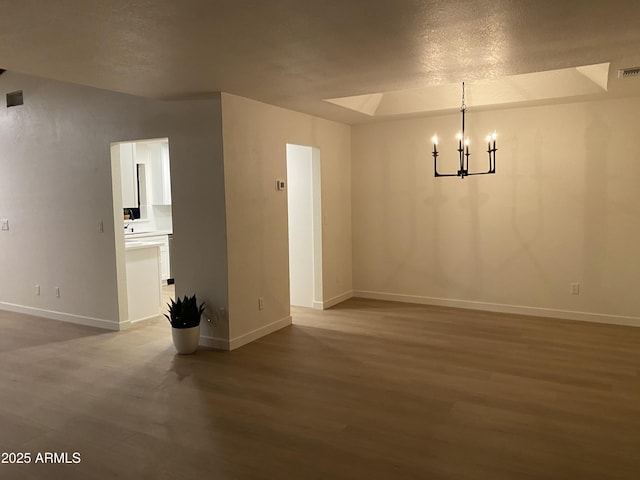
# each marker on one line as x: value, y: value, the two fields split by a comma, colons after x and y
x: 295, y: 53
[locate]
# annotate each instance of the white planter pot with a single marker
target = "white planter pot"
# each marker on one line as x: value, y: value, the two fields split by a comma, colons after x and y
x: 185, y: 339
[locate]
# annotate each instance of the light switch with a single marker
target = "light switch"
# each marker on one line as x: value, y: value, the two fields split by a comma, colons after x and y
x: 5, y: 224
x: 280, y: 185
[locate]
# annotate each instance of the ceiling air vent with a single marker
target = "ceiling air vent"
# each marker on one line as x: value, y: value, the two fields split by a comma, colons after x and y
x: 14, y: 99
x: 629, y: 72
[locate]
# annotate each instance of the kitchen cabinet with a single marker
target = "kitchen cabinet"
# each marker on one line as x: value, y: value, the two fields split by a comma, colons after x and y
x: 129, y: 177
x: 143, y: 280
x: 159, y: 176
x: 165, y: 267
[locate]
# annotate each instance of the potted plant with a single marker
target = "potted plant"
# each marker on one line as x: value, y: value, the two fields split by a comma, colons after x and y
x: 184, y: 317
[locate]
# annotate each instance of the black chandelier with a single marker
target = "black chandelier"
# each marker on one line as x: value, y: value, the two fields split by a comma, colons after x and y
x: 463, y: 171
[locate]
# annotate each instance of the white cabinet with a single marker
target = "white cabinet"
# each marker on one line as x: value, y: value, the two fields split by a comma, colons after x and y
x: 165, y: 266
x: 143, y: 281
x: 159, y: 174
x: 155, y: 178
x: 128, y: 173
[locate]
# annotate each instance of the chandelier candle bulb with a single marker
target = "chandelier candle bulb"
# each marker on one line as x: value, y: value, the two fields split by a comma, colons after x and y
x: 435, y: 152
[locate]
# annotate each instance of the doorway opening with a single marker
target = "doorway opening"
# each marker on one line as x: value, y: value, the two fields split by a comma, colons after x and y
x: 305, y: 226
x: 141, y: 185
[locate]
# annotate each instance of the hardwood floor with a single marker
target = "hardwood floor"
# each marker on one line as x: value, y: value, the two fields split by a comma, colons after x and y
x: 366, y: 390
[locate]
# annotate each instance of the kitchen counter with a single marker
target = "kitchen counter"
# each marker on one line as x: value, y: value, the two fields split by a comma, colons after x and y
x: 154, y: 233
x: 159, y: 238
x: 135, y: 244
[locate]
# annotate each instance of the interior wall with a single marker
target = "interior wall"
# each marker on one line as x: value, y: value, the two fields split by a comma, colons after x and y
x: 316, y: 188
x: 55, y: 190
x: 199, y: 262
x: 255, y: 137
x: 561, y: 209
x: 300, y: 208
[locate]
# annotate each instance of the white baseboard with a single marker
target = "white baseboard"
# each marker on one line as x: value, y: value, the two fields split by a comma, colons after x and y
x: 334, y: 301
x: 237, y: 342
x: 63, y: 317
x: 214, y: 342
x: 260, y: 332
x: 503, y: 308
x: 139, y: 322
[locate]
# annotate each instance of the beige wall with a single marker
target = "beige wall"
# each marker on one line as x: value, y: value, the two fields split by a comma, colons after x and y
x: 562, y: 208
x: 199, y: 256
x: 55, y: 188
x: 255, y: 137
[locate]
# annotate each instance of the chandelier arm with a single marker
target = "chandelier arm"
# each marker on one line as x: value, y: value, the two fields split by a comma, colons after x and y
x: 493, y: 169
x: 490, y: 160
x: 435, y: 166
x: 466, y: 168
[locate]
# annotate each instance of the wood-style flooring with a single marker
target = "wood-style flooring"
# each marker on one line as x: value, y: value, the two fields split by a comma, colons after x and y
x: 366, y: 390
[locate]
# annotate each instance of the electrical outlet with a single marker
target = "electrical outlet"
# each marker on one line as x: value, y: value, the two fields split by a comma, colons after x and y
x: 575, y: 289
x: 260, y: 303
x: 5, y: 224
